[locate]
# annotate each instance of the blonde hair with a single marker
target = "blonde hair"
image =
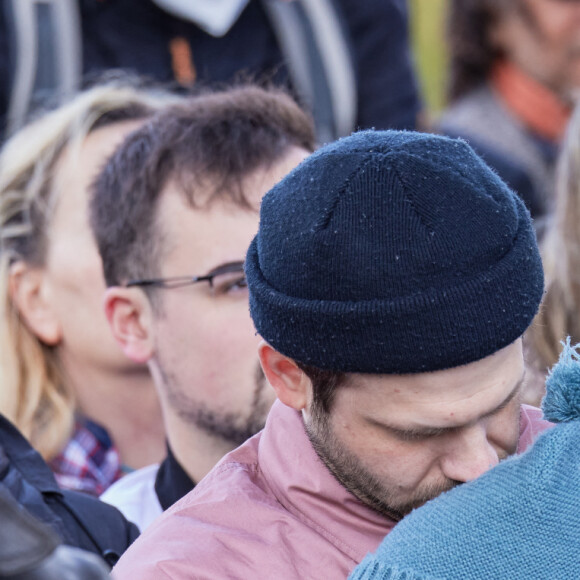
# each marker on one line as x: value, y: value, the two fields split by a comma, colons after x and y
x: 33, y: 393
x: 559, y: 314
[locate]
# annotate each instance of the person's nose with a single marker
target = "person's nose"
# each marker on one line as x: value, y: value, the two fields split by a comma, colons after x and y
x: 468, y: 454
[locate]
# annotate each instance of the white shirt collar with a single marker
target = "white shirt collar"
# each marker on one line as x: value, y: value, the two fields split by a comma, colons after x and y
x: 215, y: 17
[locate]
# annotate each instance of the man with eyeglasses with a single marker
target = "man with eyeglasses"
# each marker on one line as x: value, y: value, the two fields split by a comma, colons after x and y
x: 391, y: 279
x: 173, y: 213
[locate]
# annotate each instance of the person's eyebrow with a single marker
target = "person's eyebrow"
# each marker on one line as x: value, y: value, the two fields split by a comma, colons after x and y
x: 508, y: 399
x: 225, y: 268
x: 425, y: 432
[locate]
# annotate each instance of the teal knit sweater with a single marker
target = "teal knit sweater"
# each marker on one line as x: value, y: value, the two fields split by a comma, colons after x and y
x: 521, y: 520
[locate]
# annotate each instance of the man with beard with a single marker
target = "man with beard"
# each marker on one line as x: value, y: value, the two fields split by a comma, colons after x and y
x: 173, y: 212
x: 391, y: 279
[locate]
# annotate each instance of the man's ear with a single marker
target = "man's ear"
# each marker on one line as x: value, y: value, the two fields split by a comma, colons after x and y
x: 130, y: 317
x: 291, y: 384
x: 30, y: 293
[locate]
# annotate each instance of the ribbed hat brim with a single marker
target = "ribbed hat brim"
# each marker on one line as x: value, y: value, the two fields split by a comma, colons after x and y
x: 477, y: 317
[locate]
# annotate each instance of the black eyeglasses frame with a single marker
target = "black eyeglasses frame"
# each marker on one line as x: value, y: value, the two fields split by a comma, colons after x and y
x: 181, y: 281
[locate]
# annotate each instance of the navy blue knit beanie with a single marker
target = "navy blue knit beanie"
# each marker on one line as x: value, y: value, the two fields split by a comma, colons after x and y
x: 393, y: 252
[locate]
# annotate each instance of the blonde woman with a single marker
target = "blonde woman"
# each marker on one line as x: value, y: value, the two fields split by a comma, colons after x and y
x: 63, y: 381
x: 559, y: 314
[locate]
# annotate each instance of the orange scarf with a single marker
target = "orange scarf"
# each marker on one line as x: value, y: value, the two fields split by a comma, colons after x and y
x: 532, y: 103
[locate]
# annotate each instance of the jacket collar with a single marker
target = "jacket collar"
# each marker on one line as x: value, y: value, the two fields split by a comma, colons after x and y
x: 307, y: 489
x: 531, y: 102
x: 24, y: 458
x: 171, y: 481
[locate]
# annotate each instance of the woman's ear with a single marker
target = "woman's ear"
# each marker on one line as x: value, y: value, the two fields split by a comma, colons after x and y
x: 130, y: 317
x: 30, y: 293
x: 291, y: 384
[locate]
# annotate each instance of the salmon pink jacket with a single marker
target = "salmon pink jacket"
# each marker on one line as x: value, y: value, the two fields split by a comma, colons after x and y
x: 269, y: 509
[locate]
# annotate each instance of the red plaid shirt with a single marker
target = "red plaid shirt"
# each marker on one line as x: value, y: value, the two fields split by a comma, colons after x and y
x: 89, y: 462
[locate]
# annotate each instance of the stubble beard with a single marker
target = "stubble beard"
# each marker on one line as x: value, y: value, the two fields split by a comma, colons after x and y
x: 235, y: 428
x: 378, y: 494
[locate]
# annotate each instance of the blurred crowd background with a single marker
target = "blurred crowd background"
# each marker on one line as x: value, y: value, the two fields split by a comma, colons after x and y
x: 428, y: 39
x: 93, y: 413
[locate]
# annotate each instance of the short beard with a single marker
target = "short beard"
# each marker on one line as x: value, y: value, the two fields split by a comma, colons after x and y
x: 230, y: 427
x: 379, y: 495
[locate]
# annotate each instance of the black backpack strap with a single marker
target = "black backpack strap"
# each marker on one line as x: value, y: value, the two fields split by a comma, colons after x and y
x: 79, y: 519
x: 103, y: 525
x: 316, y: 47
x: 47, y: 54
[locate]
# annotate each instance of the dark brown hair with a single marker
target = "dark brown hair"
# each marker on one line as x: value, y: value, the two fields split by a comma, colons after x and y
x: 471, y: 53
x: 215, y: 138
x: 324, y: 386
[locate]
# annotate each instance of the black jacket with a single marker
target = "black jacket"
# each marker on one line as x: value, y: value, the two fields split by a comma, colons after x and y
x: 137, y: 36
x: 79, y: 520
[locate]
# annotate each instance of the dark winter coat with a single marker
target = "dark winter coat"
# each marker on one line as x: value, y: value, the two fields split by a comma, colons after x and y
x: 80, y: 520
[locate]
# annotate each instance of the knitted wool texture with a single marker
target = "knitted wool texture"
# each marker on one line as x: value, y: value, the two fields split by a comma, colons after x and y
x: 393, y: 252
x: 520, y: 520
